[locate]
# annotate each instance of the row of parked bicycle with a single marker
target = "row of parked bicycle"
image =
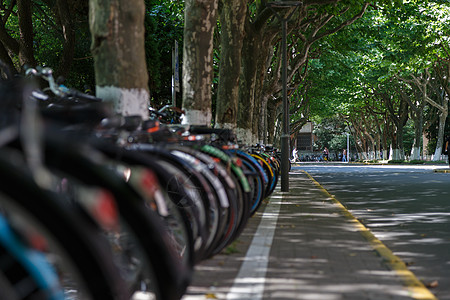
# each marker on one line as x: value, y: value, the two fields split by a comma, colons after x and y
x: 99, y: 206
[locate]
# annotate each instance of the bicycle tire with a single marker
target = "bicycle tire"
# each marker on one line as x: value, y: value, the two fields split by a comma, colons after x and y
x: 82, y: 247
x: 21, y: 263
x: 199, y: 194
x: 136, y: 158
x: 163, y: 266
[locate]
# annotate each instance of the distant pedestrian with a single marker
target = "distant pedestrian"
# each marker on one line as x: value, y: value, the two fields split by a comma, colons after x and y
x: 294, y: 155
x: 326, y: 154
x: 344, y: 155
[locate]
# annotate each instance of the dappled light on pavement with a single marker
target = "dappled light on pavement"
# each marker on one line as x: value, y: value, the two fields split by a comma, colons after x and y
x: 407, y: 208
x: 317, y: 252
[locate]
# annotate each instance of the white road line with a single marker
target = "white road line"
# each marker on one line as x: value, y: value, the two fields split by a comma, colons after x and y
x: 249, y: 283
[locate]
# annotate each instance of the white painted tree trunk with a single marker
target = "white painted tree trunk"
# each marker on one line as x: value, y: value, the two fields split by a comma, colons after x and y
x: 118, y: 47
x: 415, y: 153
x: 440, y: 140
x: 127, y: 102
x: 362, y: 155
x: 385, y: 154
x: 245, y: 136
x: 197, y: 117
x: 396, y: 154
x: 200, y: 22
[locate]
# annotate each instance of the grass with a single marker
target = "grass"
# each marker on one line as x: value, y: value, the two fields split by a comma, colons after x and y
x: 231, y: 249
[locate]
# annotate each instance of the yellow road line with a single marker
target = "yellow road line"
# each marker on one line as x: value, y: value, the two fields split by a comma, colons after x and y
x: 415, y: 287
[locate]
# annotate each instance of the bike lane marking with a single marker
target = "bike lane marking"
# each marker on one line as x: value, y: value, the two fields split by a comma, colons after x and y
x: 250, y: 281
x: 415, y: 287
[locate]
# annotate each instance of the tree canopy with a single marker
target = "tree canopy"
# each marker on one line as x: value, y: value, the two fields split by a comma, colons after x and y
x: 390, y: 69
x: 382, y: 67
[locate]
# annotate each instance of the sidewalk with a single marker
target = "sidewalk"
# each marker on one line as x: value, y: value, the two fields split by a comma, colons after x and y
x: 305, y: 245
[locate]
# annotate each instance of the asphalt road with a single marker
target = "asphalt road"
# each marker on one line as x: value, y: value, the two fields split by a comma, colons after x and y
x: 406, y: 207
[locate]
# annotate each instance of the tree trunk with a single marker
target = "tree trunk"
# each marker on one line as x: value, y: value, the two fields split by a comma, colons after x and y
x: 440, y: 141
x: 6, y: 59
x: 418, y: 132
x: 385, y: 153
x: 278, y: 129
x: 443, y: 73
x: 200, y: 22
x: 272, y: 108
x: 232, y: 15
x: 117, y: 29
x: 417, y: 108
x: 378, y: 146
x: 400, y: 147
x: 442, y: 92
x: 398, y: 113
x: 360, y: 136
x: 26, y: 53
x: 8, y: 45
x: 262, y: 120
x: 68, y: 31
x: 256, y: 49
x: 371, y: 147
x: 261, y: 94
x: 247, y: 90
x: 382, y: 129
x: 260, y: 97
x: 397, y: 143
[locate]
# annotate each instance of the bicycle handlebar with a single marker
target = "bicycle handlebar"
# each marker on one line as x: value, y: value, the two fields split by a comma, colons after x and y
x: 59, y: 89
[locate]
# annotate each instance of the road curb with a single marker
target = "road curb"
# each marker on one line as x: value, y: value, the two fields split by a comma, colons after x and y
x: 442, y: 171
x: 415, y: 287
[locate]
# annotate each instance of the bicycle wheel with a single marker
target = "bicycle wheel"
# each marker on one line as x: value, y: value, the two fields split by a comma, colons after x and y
x: 270, y: 173
x: 221, y: 184
x: 216, y: 187
x: 163, y: 272
x: 239, y: 216
x: 257, y: 176
x: 23, y: 264
x: 79, y: 250
x: 175, y: 219
x: 196, y: 198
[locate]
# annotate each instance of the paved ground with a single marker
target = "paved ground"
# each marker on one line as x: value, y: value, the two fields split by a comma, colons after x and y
x: 405, y: 206
x: 305, y: 245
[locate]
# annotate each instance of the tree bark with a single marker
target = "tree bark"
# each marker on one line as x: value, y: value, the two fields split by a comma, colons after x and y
x: 26, y: 53
x: 68, y: 30
x: 359, y: 136
x: 200, y: 22
x: 9, y: 43
x: 443, y: 73
x: 257, y: 46
x: 417, y: 107
x: 232, y: 16
x: 264, y: 81
x: 369, y: 132
x: 247, y: 86
x: 272, y: 116
x: 117, y: 29
x: 398, y: 113
x: 6, y: 59
x: 261, y: 93
x: 441, y: 95
x: 418, y: 132
x: 440, y: 141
